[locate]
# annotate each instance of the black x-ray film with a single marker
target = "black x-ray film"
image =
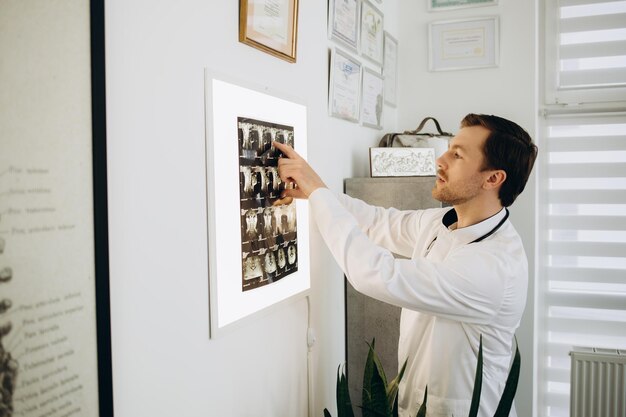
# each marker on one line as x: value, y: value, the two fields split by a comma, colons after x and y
x: 269, y: 244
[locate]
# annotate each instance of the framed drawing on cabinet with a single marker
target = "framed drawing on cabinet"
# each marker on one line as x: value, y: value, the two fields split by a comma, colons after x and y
x: 402, y: 162
x: 258, y: 243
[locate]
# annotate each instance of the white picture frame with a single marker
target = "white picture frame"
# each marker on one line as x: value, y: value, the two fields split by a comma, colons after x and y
x: 226, y: 102
x: 345, y: 86
x: 343, y: 22
x: 444, y: 5
x: 372, y: 99
x: 371, y: 29
x: 464, y: 44
x: 390, y: 69
x: 402, y: 162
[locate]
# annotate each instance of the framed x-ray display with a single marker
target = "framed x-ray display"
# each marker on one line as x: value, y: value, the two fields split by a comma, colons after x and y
x: 55, y: 338
x: 258, y: 241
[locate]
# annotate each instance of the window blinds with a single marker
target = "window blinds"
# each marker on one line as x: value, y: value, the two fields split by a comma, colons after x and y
x: 582, y: 247
x: 581, y: 287
x: 591, y: 51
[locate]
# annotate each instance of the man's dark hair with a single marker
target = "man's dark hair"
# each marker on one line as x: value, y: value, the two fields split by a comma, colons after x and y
x: 509, y: 148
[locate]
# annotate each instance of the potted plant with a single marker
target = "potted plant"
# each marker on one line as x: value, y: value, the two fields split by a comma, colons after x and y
x: 380, y: 398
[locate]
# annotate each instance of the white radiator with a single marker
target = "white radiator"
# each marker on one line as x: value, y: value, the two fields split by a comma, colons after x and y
x: 598, y: 383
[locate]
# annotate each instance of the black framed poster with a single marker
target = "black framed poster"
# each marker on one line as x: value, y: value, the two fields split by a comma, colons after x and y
x: 55, y: 355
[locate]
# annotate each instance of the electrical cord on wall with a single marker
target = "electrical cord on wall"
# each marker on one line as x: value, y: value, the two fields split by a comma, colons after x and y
x: 310, y: 342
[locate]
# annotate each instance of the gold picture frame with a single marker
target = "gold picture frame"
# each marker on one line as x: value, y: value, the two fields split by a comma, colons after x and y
x: 270, y: 25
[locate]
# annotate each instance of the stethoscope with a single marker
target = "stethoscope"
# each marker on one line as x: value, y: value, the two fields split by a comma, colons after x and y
x: 483, y: 237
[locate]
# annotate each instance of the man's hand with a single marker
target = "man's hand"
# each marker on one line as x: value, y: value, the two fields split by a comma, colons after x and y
x: 295, y: 170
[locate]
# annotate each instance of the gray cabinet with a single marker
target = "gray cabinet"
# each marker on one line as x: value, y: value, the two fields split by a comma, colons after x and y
x: 367, y: 318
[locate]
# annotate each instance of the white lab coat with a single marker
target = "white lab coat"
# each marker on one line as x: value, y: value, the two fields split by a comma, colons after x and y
x: 450, y: 294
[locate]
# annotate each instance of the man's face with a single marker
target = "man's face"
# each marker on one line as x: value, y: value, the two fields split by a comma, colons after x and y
x: 459, y: 175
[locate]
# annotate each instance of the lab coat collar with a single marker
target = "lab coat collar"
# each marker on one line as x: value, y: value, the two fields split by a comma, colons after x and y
x: 476, y: 231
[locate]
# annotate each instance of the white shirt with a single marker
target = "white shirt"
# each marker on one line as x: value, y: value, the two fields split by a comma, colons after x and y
x: 451, y: 291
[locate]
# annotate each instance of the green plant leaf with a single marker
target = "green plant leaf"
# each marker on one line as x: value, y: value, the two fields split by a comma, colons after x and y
x: 368, y: 371
x: 392, y: 388
x: 344, y: 405
x: 377, y: 404
x: 394, y: 410
x: 326, y: 413
x: 422, y: 411
x: 374, y: 395
x: 372, y: 364
x: 478, y: 381
x: 504, y: 406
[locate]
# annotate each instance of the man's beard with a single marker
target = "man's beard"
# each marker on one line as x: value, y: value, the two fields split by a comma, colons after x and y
x: 456, y: 195
x: 448, y: 197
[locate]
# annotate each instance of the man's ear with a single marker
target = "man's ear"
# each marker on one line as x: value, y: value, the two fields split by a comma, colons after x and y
x: 495, y: 179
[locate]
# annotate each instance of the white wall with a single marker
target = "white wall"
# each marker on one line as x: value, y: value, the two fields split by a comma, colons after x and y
x: 163, y: 361
x: 508, y: 91
x: 156, y: 53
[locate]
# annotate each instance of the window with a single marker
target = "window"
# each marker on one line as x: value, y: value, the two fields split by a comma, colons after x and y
x: 581, y: 262
x: 586, y: 50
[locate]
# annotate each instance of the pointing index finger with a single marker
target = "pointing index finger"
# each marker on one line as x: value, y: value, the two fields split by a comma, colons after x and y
x: 286, y: 149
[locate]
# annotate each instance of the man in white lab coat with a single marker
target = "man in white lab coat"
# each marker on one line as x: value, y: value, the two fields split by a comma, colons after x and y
x: 467, y: 272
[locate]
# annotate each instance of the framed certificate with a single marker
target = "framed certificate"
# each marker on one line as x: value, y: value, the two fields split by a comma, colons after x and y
x: 371, y: 40
x: 440, y: 5
x: 270, y: 25
x: 464, y: 44
x: 372, y: 99
x: 343, y: 22
x: 345, y: 83
x: 390, y: 69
